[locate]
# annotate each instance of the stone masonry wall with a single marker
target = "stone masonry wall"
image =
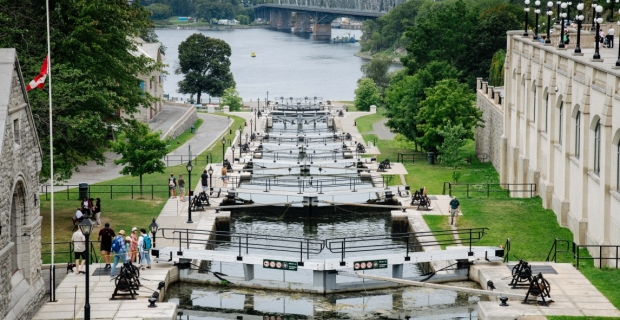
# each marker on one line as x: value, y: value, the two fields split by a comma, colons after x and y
x: 488, y: 138
x: 186, y: 122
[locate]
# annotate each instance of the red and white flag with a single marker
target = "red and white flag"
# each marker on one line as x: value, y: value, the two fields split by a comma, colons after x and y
x: 39, y: 80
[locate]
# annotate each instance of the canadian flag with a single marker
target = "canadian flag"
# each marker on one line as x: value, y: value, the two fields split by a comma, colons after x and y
x: 39, y: 80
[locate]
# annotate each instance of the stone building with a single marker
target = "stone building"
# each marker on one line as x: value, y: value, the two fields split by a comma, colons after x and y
x: 559, y: 130
x: 21, y: 286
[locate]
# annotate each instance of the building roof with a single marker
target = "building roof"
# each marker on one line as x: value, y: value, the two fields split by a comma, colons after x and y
x: 149, y: 49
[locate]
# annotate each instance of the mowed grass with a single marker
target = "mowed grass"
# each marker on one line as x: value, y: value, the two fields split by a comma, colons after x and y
x: 184, y: 137
x: 364, y: 124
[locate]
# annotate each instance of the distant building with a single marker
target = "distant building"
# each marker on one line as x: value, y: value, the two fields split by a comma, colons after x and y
x: 230, y: 22
x: 21, y: 287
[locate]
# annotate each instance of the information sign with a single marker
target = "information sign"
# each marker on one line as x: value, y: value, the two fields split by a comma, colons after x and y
x: 370, y: 264
x: 281, y: 265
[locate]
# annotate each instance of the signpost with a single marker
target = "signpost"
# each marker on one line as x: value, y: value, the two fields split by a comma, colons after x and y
x: 370, y: 264
x: 282, y: 265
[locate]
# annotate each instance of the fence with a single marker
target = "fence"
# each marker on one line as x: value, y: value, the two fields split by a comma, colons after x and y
x: 600, y: 258
x: 402, y: 157
x: 488, y: 188
x: 196, y: 160
x: 99, y: 190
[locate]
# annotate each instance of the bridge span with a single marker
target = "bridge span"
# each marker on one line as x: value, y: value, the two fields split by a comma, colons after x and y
x: 316, y: 16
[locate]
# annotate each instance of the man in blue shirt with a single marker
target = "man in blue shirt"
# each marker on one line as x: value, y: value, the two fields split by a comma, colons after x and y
x: 118, y: 251
x: 455, y: 207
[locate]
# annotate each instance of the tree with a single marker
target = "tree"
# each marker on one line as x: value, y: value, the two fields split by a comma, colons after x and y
x: 94, y: 68
x: 366, y: 94
x: 448, y: 101
x: 377, y: 70
x: 232, y: 99
x: 449, y: 151
x: 496, y: 72
x: 206, y: 65
x: 243, y: 19
x: 142, y: 151
x: 159, y: 11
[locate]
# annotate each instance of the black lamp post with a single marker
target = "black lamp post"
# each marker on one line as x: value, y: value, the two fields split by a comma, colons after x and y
x: 579, y: 21
x: 240, y: 130
x: 599, y: 20
x: 526, y: 9
x: 611, y: 19
x: 223, y: 146
x: 87, y: 226
x: 210, y: 171
x: 562, y: 16
x: 593, y: 16
x: 255, y: 119
x: 537, y: 11
x: 267, y: 96
x: 189, y: 168
x: 558, y: 19
x: 251, y: 127
x: 233, y: 150
x: 569, y: 4
x: 549, y: 14
x: 153, y: 228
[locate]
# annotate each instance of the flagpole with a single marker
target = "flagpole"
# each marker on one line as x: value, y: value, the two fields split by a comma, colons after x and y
x: 49, y: 74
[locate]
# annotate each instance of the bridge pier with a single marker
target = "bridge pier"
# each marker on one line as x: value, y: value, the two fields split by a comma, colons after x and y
x: 302, y: 23
x: 280, y: 19
x: 322, y: 30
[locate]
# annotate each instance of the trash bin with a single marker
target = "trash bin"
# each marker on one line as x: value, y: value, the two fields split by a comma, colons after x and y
x: 193, y: 129
x: 430, y: 157
x: 83, y: 190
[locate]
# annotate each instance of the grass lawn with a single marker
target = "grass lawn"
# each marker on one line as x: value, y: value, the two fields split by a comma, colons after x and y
x: 184, y: 137
x: 364, y: 124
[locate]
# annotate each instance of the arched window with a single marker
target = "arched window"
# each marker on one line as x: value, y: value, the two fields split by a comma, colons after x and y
x: 560, y: 123
x: 578, y: 135
x: 547, y: 112
x: 597, y: 148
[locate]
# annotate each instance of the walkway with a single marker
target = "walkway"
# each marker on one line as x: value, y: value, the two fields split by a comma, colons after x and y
x: 382, y: 131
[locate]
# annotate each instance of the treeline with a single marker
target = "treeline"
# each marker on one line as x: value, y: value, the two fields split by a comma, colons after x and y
x: 206, y: 10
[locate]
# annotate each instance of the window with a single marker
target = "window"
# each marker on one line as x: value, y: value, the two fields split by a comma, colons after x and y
x: 534, y: 107
x: 16, y: 131
x: 560, y: 123
x: 577, y: 134
x: 597, y: 148
x: 546, y: 112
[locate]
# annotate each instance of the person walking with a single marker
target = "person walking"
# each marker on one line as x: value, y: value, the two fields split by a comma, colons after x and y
x: 203, y: 180
x: 172, y: 184
x: 105, y: 243
x: 133, y: 245
x: 144, y: 245
x: 79, y: 249
x: 118, y: 250
x: 181, y: 183
x: 224, y: 177
x: 455, y: 208
x: 610, y: 38
x: 98, y: 212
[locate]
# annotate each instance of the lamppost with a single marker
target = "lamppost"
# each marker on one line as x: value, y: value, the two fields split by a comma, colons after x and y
x: 537, y: 11
x: 223, y: 146
x: 251, y: 127
x: 579, y: 21
x: 593, y: 16
x: 562, y: 16
x: 599, y: 20
x: 86, y: 226
x: 612, y: 9
x: 255, y: 120
x: 267, y: 95
x: 526, y: 9
x: 233, y: 150
x: 569, y: 4
x: 257, y: 103
x: 153, y: 228
x: 210, y: 171
x: 549, y: 14
x: 240, y: 130
x: 189, y: 168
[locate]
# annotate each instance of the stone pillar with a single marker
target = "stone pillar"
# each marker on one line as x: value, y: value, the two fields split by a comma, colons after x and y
x: 325, y: 279
x: 280, y: 19
x: 302, y: 23
x: 248, y: 271
x: 322, y: 30
x: 397, y: 271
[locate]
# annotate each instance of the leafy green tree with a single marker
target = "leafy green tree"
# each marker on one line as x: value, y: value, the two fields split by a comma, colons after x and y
x: 386, y: 33
x: 377, y: 70
x: 141, y: 150
x: 159, y: 11
x: 447, y: 102
x: 366, y: 94
x: 496, y: 72
x: 232, y: 99
x: 243, y: 19
x: 454, y: 138
x: 403, y: 96
x: 94, y: 67
x: 206, y: 65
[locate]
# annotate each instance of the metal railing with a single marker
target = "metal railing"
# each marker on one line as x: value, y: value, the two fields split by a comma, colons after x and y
x: 410, y: 241
x: 244, y: 241
x: 506, y: 250
x: 180, y: 159
x: 303, y: 184
x: 553, y: 252
x: 489, y: 188
x: 72, y: 190
x: 600, y: 258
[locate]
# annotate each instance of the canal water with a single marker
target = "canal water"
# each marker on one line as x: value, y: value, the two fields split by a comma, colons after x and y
x: 286, y: 64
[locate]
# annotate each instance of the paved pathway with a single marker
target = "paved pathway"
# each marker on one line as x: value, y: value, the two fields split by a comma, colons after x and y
x: 382, y: 131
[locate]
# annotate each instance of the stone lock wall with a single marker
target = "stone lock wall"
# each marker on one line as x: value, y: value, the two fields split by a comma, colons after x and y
x: 488, y: 138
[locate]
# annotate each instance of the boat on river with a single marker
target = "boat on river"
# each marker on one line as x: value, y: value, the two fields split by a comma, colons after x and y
x: 253, y: 55
x: 345, y: 38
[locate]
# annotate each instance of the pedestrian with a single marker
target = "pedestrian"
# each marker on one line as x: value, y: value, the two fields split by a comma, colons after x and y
x: 181, y: 183
x: 203, y: 180
x: 105, y: 243
x: 79, y: 249
x: 601, y: 37
x: 172, y: 184
x: 144, y: 245
x: 224, y: 177
x: 610, y: 37
x: 127, y: 249
x: 118, y: 250
x: 87, y: 206
x: 79, y: 216
x: 133, y: 246
x: 455, y: 208
x: 98, y: 212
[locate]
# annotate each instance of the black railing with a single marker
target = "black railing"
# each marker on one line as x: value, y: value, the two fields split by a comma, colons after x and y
x: 600, y: 258
x: 180, y: 159
x: 506, y: 250
x: 244, y: 241
x: 73, y: 192
x: 67, y: 248
x: 402, y: 157
x: 410, y: 241
x: 556, y: 248
x: 488, y: 188
x: 302, y: 184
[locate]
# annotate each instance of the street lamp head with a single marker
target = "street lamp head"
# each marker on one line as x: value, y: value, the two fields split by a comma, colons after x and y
x: 550, y: 4
x: 599, y: 9
x: 537, y: 2
x: 210, y: 171
x: 153, y: 226
x: 564, y: 15
x: 223, y: 141
x: 580, y: 17
x: 580, y: 6
x: 86, y: 226
x: 599, y: 20
x: 232, y: 148
x: 526, y: 9
x: 563, y: 5
x: 527, y: 2
x: 189, y: 167
x: 558, y: 2
x: 537, y: 11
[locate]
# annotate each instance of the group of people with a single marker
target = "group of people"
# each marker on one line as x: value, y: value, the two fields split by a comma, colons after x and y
x: 88, y: 209
x: 114, y: 248
x: 174, y: 183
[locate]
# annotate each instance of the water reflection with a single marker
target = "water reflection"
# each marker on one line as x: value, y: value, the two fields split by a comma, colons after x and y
x: 204, y: 302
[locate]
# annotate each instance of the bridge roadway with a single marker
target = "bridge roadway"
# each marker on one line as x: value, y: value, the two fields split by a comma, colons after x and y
x: 339, y: 12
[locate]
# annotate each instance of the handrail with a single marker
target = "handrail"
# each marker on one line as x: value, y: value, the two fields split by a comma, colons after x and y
x: 600, y: 258
x: 489, y: 188
x: 506, y: 250
x: 411, y: 241
x: 105, y: 189
x: 554, y: 249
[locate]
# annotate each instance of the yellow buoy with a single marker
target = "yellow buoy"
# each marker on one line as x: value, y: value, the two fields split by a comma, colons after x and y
x: 253, y: 55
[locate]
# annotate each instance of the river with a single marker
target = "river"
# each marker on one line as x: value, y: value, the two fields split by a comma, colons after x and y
x: 286, y: 64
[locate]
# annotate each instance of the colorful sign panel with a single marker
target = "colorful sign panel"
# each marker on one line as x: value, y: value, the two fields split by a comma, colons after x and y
x: 370, y: 264
x: 281, y: 265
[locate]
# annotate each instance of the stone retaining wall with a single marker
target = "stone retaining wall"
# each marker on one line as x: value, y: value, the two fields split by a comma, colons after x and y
x: 187, y: 121
x: 488, y: 138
